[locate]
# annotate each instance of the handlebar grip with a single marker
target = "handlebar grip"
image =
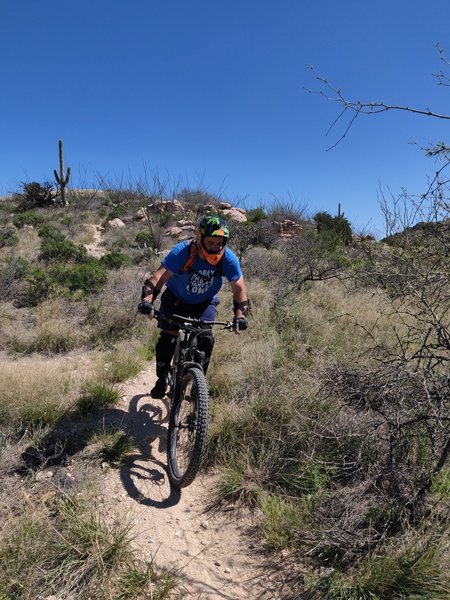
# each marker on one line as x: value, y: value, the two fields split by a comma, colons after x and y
x: 146, y: 308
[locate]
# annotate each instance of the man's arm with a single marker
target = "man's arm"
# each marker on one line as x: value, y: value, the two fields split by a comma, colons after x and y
x: 240, y: 297
x: 155, y: 283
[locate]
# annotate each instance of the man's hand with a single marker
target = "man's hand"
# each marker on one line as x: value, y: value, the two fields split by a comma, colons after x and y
x: 239, y: 324
x: 146, y: 308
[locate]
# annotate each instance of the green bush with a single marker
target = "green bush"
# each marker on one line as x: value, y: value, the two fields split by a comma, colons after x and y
x: 256, y: 215
x: 8, y: 237
x: 89, y: 278
x: 333, y: 230
x: 49, y: 231
x: 117, y: 212
x: 144, y: 239
x: 62, y: 250
x: 114, y: 260
x: 29, y: 217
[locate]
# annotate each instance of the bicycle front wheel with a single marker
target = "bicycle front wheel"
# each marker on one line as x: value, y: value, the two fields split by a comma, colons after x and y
x: 188, y: 427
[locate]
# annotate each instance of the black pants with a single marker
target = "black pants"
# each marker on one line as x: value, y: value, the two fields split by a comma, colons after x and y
x: 165, y: 345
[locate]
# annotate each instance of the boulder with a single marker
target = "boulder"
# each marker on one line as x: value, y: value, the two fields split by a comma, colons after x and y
x: 116, y: 223
x: 174, y: 232
x: 234, y: 214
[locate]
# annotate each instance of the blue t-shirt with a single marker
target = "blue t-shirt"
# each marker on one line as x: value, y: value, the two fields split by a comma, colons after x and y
x: 202, y: 281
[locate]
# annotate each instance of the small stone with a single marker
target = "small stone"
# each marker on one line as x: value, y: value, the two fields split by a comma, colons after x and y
x: 217, y: 563
x: 203, y: 543
x: 252, y: 546
x: 151, y: 541
x: 204, y: 524
x: 105, y: 466
x: 41, y: 475
x: 230, y: 507
x: 177, y: 534
x: 227, y: 570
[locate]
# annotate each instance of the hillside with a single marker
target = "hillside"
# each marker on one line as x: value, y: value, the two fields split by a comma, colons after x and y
x: 326, y: 470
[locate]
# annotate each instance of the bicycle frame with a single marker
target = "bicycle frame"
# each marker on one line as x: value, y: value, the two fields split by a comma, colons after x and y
x: 188, y: 392
x: 186, y: 352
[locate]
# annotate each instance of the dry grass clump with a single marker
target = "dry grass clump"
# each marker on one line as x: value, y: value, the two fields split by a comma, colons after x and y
x: 54, y: 327
x: 125, y: 361
x: 65, y: 550
x: 32, y: 393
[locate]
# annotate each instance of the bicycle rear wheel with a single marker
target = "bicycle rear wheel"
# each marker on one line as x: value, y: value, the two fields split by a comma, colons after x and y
x: 188, y: 427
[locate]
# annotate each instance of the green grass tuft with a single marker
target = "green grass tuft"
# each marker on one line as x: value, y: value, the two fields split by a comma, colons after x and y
x: 96, y: 396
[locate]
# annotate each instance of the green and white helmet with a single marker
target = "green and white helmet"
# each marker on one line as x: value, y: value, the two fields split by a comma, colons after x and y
x: 211, y: 226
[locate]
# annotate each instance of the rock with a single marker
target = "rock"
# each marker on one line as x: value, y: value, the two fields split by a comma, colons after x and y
x: 141, y: 214
x: 116, y: 223
x: 174, y: 232
x: 234, y: 214
x: 227, y: 570
x: 170, y: 206
x: 42, y: 475
x: 225, y: 206
x: 217, y: 563
x: 204, y: 524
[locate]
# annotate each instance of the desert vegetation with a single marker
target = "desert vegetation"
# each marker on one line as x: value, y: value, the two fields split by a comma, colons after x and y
x: 329, y: 418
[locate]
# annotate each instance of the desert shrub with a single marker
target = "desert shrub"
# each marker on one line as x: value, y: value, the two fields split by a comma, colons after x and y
x: 250, y: 235
x: 416, y: 570
x: 37, y: 195
x: 281, y: 210
x: 62, y: 250
x: 111, y: 316
x: 28, y: 217
x: 88, y: 278
x: 12, y: 271
x: 49, y: 231
x: 114, y: 260
x: 8, y: 237
x: 333, y: 230
x: 255, y: 215
x: 144, y: 239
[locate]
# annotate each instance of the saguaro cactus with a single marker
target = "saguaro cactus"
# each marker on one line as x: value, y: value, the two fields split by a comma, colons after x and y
x: 61, y: 179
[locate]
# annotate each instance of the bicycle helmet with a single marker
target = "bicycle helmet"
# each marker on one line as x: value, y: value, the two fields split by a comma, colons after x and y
x: 211, y: 226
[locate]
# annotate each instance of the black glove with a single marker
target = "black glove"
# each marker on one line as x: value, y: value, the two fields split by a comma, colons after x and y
x: 146, y: 308
x: 240, y: 323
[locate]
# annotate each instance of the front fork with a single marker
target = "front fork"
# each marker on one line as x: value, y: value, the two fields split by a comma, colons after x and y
x: 183, y: 358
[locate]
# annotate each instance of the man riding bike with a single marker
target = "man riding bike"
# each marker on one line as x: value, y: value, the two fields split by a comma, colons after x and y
x: 192, y: 273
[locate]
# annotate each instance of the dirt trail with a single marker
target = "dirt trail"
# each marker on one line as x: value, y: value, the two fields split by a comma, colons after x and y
x: 216, y: 555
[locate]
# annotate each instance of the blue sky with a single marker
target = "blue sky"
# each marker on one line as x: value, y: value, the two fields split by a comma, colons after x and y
x: 212, y: 93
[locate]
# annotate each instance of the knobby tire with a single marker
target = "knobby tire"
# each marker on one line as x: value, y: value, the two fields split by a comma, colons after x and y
x: 188, y: 427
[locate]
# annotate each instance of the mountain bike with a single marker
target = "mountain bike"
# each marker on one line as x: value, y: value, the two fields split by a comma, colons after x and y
x: 188, y: 392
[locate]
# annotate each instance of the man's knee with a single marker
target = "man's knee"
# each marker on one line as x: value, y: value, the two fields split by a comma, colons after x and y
x: 206, y: 344
x: 164, y: 350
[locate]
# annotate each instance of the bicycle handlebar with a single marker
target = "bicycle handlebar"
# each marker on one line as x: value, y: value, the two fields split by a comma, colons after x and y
x: 146, y: 308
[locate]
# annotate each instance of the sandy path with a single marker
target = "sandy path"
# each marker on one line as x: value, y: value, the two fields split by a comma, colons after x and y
x: 217, y: 556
